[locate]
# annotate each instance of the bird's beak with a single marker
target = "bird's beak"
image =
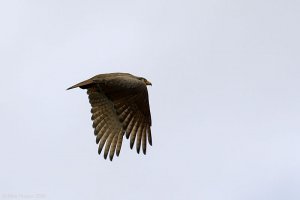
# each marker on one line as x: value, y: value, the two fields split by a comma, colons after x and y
x: 148, y: 83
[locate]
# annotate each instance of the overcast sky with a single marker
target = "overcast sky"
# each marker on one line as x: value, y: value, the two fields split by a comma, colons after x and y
x: 225, y: 99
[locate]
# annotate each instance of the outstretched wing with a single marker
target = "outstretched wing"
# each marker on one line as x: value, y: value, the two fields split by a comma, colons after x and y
x: 120, y: 105
x: 107, y: 127
x: 130, y: 98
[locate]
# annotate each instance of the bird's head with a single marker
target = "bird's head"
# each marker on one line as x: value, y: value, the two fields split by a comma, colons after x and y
x: 145, y: 81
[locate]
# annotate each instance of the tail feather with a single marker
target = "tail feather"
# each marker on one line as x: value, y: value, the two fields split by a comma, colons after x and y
x: 82, y: 85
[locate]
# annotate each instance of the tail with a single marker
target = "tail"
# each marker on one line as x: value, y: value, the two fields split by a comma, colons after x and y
x: 82, y: 85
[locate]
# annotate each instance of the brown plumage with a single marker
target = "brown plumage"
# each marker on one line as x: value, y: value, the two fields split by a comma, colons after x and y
x: 119, y: 105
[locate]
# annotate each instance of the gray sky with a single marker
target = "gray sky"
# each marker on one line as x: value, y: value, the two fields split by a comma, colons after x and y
x: 224, y: 101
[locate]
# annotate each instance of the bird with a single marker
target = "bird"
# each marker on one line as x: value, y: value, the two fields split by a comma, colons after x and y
x: 120, y: 106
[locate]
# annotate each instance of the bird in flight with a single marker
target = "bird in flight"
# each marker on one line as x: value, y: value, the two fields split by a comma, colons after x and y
x: 120, y: 106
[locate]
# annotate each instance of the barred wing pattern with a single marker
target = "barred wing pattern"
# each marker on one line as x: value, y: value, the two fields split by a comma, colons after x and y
x: 120, y: 106
x: 108, y: 128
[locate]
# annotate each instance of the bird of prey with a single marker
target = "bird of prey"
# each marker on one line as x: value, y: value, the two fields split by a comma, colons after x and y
x: 120, y: 106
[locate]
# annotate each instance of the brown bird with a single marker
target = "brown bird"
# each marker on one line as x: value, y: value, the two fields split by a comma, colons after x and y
x: 119, y: 105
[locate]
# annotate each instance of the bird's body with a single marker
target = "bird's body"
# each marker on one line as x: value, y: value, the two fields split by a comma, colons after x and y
x: 119, y: 105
